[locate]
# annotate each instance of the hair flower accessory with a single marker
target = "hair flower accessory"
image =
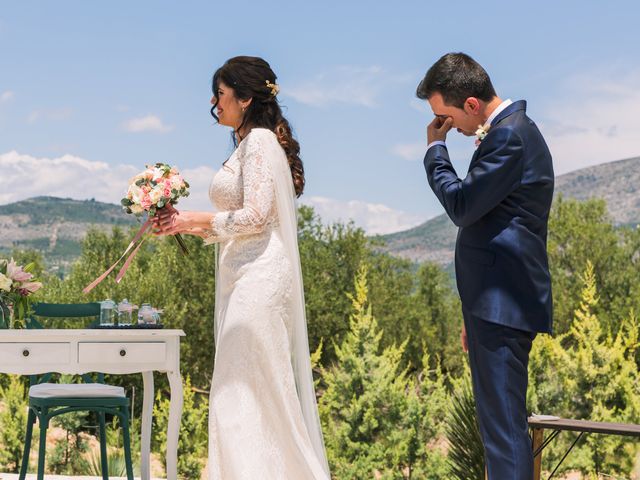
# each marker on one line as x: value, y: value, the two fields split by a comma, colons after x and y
x: 482, y: 132
x: 274, y: 87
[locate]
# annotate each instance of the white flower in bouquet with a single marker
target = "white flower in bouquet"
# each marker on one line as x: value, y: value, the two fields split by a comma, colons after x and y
x: 5, y: 282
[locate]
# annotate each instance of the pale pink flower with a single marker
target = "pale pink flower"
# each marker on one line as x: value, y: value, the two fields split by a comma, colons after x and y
x: 16, y: 273
x: 31, y: 287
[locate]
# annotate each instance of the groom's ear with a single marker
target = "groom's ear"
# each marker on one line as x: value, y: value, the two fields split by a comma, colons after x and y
x: 472, y: 106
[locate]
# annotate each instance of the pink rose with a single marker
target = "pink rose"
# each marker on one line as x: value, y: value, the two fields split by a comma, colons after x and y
x: 146, y: 201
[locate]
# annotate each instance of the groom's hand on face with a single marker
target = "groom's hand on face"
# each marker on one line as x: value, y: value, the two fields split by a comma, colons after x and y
x: 438, y: 128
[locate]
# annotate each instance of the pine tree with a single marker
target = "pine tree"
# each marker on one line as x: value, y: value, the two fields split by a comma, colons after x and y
x: 589, y: 373
x: 370, y: 410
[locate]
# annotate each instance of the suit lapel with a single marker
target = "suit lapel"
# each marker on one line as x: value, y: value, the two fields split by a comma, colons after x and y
x: 514, y: 107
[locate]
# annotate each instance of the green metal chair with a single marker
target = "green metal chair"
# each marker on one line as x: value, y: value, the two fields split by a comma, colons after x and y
x: 48, y: 400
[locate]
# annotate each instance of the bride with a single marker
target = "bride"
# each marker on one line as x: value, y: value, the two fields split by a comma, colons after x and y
x: 263, y: 417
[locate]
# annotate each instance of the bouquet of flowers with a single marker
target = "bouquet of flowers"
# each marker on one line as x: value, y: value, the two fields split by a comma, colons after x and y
x: 16, y: 286
x: 157, y: 186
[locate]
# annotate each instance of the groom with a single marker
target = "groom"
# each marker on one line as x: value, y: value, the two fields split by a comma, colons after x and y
x: 502, y: 209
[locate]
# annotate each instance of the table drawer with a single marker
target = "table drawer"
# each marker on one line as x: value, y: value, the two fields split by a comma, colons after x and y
x: 31, y: 353
x: 125, y: 353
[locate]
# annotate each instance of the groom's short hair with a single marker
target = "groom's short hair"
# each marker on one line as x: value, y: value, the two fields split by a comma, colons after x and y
x: 456, y: 76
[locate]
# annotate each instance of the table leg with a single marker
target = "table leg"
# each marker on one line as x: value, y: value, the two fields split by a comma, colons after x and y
x: 173, y: 432
x: 145, y: 437
x: 538, y: 437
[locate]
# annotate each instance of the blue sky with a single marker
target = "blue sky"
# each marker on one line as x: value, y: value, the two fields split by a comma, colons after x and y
x: 91, y: 91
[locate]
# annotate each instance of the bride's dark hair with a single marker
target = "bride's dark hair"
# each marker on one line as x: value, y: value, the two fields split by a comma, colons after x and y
x: 252, y: 77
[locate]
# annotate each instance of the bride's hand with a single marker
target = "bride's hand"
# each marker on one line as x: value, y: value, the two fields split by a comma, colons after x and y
x: 168, y: 221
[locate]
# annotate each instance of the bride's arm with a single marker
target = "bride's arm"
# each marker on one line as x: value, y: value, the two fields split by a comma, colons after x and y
x: 258, y: 194
x: 257, y: 208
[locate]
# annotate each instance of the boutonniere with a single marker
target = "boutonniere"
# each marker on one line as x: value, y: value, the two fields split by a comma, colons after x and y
x: 482, y: 132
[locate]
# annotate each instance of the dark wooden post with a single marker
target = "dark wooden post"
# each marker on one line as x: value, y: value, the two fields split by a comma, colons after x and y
x: 538, y: 437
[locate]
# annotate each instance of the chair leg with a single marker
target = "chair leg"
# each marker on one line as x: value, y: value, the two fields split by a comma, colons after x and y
x: 24, y: 466
x: 126, y: 440
x: 103, y: 447
x: 42, y: 449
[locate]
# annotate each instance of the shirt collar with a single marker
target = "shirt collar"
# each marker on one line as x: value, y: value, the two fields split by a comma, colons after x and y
x: 497, y: 111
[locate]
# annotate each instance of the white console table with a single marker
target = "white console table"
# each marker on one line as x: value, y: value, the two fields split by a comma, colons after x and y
x: 113, y: 351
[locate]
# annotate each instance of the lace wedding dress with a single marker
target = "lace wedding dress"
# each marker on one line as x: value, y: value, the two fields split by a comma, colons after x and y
x: 263, y: 418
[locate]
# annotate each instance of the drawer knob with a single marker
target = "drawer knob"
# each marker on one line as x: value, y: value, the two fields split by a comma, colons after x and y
x: 123, y: 352
x: 25, y: 353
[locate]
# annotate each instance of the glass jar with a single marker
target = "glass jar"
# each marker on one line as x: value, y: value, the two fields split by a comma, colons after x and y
x: 107, y: 313
x: 125, y: 310
x: 145, y: 315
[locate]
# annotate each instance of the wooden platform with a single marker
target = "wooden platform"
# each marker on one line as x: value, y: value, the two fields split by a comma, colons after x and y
x: 586, y: 426
x: 538, y: 427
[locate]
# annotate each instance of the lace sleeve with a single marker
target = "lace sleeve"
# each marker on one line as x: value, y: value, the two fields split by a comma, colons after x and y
x: 258, y: 194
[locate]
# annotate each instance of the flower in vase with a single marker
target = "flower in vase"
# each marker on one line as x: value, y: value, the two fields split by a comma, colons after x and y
x: 5, y: 282
x: 17, y: 273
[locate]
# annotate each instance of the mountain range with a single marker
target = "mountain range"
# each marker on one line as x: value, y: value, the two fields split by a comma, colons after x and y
x: 56, y: 226
x: 618, y: 183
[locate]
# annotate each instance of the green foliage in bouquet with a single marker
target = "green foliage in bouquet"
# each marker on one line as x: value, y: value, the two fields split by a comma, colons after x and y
x: 589, y: 373
x: 375, y: 418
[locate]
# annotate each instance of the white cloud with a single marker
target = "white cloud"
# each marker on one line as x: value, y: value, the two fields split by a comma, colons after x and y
x: 6, y: 96
x: 148, y: 123
x: 410, y: 151
x: 596, y: 121
x: 25, y: 176
x: 350, y: 85
x: 68, y: 176
x: 55, y: 115
x: 374, y: 218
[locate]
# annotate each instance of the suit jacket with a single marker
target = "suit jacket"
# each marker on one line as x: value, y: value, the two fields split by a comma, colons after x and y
x: 502, y: 208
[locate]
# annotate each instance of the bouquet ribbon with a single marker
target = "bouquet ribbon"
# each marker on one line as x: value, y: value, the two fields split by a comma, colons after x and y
x: 146, y: 226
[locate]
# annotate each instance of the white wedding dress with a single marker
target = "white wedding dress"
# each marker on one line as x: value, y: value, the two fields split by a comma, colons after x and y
x: 263, y: 418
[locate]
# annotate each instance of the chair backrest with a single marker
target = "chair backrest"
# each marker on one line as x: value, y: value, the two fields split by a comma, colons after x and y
x: 62, y: 310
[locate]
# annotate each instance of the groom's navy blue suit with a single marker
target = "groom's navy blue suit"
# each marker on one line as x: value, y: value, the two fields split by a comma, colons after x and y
x: 502, y: 209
